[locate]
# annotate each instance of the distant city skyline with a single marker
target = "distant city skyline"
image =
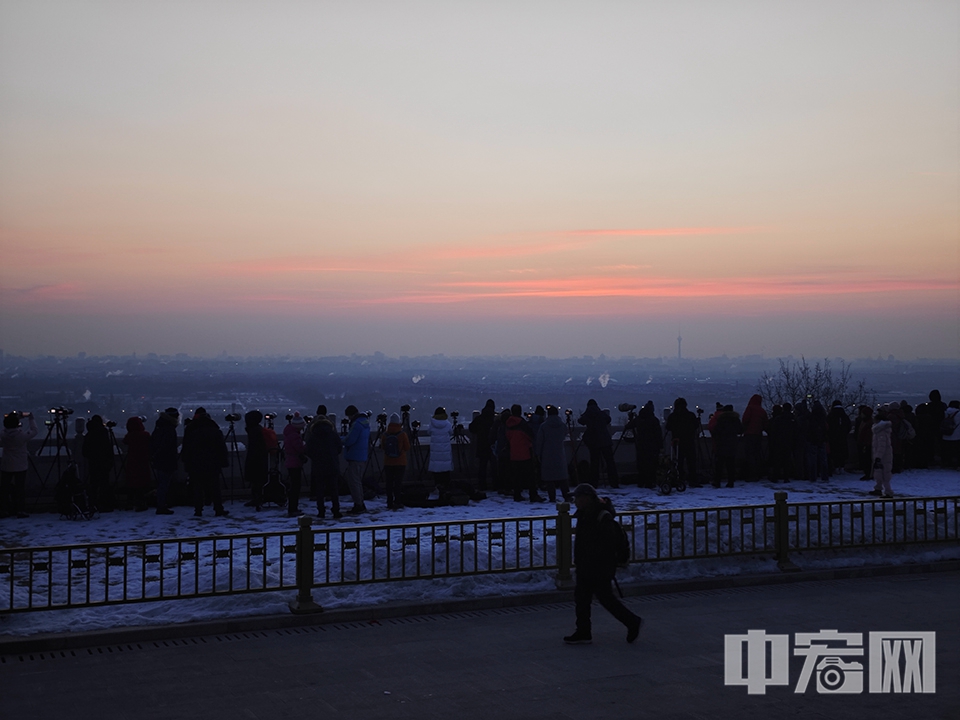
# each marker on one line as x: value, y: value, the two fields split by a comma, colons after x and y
x: 476, y: 179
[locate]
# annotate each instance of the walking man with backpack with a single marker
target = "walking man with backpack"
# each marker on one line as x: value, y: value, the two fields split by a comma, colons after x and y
x: 597, y: 546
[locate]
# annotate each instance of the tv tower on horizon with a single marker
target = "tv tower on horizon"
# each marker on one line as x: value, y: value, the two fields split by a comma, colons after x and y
x: 679, y: 340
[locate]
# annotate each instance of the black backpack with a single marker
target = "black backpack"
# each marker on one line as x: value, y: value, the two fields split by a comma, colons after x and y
x: 391, y: 445
x: 622, y: 542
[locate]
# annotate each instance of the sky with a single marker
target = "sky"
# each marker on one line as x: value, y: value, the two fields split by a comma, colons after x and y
x: 523, y: 178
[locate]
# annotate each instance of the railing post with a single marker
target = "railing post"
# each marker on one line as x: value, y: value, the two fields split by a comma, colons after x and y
x: 564, y: 579
x: 782, y: 532
x: 304, y: 603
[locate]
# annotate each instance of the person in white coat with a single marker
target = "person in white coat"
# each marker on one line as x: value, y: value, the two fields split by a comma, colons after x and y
x: 440, y: 432
x: 882, y: 450
x: 15, y: 462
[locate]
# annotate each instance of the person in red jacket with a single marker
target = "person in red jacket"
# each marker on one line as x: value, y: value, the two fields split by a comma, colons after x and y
x: 395, y: 445
x: 754, y: 422
x: 520, y: 439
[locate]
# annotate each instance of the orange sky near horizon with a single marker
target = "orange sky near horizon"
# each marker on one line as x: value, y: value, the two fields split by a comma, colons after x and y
x: 748, y: 170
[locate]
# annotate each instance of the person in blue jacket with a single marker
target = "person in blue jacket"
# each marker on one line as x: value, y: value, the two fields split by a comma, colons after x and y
x: 355, y: 448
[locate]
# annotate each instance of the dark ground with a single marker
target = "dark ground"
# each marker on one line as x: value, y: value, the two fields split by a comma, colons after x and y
x: 504, y: 663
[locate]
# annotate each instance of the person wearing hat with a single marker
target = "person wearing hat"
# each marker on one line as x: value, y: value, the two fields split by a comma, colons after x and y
x: 599, y: 442
x: 323, y: 446
x: 15, y: 462
x: 550, y: 449
x: 293, y: 451
x: 595, y: 559
x: 395, y: 444
x: 480, y: 428
x: 440, y: 432
x: 163, y: 455
x: 356, y: 446
x: 725, y: 428
x: 204, y: 455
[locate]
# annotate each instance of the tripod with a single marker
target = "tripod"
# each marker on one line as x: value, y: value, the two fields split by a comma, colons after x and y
x: 56, y: 428
x: 459, y: 440
x: 574, y: 471
x: 372, y: 452
x: 631, y: 416
x: 119, y: 451
x: 703, y: 447
x: 234, y: 448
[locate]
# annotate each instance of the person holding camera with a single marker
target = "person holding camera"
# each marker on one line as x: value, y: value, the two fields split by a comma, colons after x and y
x: 480, y: 428
x: 551, y: 451
x: 440, y: 432
x: 15, y: 462
x: 163, y: 455
x: 255, y: 463
x: 98, y: 453
x: 683, y: 426
x: 395, y: 444
x: 204, y: 455
x: 137, y: 465
x: 356, y: 447
x: 882, y: 452
x: 520, y: 437
x: 599, y: 443
x: 648, y: 444
x: 323, y: 447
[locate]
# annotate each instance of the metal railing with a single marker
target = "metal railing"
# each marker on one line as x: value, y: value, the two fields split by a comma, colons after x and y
x: 312, y: 557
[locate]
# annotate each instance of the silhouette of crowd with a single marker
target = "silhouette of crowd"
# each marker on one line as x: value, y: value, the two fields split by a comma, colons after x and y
x: 529, y: 456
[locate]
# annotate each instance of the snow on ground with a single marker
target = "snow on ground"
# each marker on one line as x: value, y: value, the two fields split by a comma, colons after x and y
x: 48, y: 529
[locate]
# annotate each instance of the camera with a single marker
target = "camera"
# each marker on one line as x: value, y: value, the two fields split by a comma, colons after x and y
x: 415, y: 424
x: 289, y: 417
x: 269, y: 416
x: 111, y: 423
x: 405, y: 408
x: 232, y: 417
x: 344, y: 426
x: 626, y: 407
x: 699, y: 410
x: 836, y: 676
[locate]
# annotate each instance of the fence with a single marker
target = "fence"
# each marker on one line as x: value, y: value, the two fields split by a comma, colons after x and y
x: 320, y: 557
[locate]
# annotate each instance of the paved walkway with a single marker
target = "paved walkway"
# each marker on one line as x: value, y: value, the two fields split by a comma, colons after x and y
x: 501, y: 664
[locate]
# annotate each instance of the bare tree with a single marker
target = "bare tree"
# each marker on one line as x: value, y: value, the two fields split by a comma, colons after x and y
x: 798, y: 381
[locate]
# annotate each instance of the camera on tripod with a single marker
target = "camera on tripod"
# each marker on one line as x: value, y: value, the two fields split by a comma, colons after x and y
x: 58, y: 412
x: 269, y: 418
x: 405, y: 408
x: 232, y: 417
x: 110, y: 424
x: 629, y: 409
x: 382, y: 422
x: 699, y: 410
x: 415, y: 424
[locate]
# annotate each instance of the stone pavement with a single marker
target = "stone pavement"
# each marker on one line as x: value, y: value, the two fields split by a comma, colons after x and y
x: 501, y: 664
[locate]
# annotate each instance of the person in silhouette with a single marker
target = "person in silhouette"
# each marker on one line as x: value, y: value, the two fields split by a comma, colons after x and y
x: 15, y: 462
x: 204, y: 456
x: 596, y: 437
